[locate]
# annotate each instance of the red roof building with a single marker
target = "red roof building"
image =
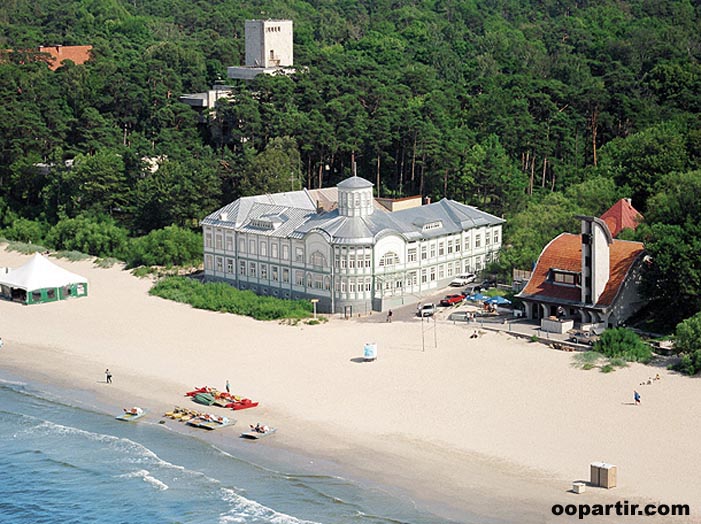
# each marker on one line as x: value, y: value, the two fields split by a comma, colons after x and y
x: 591, y: 278
x: 622, y: 215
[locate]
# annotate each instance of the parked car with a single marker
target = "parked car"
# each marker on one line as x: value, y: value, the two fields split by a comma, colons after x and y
x: 463, y: 280
x: 451, y: 300
x: 427, y: 310
x: 583, y: 337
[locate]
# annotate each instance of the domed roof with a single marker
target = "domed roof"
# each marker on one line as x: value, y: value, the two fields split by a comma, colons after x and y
x: 354, y: 182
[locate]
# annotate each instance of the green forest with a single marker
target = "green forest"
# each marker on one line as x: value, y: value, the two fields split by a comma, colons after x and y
x: 531, y: 110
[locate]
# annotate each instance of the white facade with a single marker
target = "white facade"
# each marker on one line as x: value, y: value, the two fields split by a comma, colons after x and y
x: 269, y: 49
x: 355, y: 258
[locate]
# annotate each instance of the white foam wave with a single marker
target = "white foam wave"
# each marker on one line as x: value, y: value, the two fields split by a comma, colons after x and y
x: 147, y: 477
x: 243, y: 510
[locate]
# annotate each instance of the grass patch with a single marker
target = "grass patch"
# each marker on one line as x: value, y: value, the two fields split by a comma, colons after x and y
x: 107, y: 262
x: 218, y: 296
x: 143, y: 271
x: 72, y: 256
x: 24, y: 248
x: 607, y: 368
x: 587, y: 360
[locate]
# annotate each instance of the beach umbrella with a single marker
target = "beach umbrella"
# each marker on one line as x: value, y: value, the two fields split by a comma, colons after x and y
x: 477, y: 297
x: 498, y: 300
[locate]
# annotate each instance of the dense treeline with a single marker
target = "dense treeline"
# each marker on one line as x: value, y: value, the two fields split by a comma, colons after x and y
x: 534, y: 111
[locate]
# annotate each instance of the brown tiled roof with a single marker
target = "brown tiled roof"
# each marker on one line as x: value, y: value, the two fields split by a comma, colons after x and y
x: 564, y: 252
x: 622, y: 215
x: 78, y: 54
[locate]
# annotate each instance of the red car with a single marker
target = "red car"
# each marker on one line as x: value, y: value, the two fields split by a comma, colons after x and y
x: 452, y: 300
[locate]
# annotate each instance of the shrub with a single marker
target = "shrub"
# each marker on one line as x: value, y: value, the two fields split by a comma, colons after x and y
x: 24, y: 248
x: 623, y: 343
x: 688, y: 343
x: 587, y: 360
x: 100, y: 237
x: 23, y: 230
x: 218, y: 296
x: 607, y: 368
x: 106, y: 263
x: 170, y: 246
x: 73, y: 256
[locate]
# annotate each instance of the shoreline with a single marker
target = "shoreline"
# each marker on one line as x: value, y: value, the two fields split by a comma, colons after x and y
x: 494, y: 426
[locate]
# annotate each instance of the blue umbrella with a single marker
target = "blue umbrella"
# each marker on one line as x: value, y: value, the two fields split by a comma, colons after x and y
x: 498, y: 300
x: 477, y: 297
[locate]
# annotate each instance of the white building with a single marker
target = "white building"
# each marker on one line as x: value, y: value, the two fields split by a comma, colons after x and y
x: 269, y: 49
x: 353, y: 255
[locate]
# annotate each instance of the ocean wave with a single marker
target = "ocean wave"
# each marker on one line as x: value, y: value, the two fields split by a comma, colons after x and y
x: 243, y: 510
x: 147, y: 477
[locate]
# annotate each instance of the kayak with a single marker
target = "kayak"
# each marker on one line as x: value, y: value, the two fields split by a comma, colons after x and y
x: 242, y: 404
x: 204, y: 398
x: 131, y: 415
x: 253, y: 434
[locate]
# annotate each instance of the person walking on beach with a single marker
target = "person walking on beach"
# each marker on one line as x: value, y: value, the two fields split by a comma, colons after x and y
x: 636, y: 396
x: 228, y: 387
x: 108, y: 374
x: 389, y: 316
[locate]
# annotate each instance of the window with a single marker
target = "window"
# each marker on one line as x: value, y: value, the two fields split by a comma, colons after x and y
x: 299, y: 254
x: 208, y: 262
x: 252, y: 247
x: 424, y: 277
x: 337, y: 260
x: 389, y: 259
x: 432, y: 225
x: 264, y: 271
x: 564, y: 278
x: 252, y: 269
x: 411, y: 254
x: 242, y: 245
x: 368, y: 260
x: 286, y: 276
x: 318, y: 282
x: 449, y: 270
x: 441, y: 249
x: 318, y: 260
x: 218, y: 241
x: 351, y: 260
x: 478, y: 240
x: 433, y: 250
x: 433, y: 274
x: 299, y: 278
x: 467, y: 243
x: 441, y: 272
x: 285, y: 252
x: 368, y: 284
x: 208, y: 240
x: 229, y: 243
x: 273, y: 249
x: 450, y: 246
x: 423, y: 252
x: 263, y: 249
x: 457, y: 245
x: 344, y: 262
x: 478, y: 264
x: 458, y: 264
x: 487, y: 238
x: 351, y: 285
x: 496, y: 237
x: 343, y: 285
x: 327, y: 283
x: 413, y: 278
x: 309, y: 280
x: 242, y: 268
x: 229, y: 265
x: 274, y: 276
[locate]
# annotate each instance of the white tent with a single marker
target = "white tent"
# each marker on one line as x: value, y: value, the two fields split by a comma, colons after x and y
x: 39, y: 280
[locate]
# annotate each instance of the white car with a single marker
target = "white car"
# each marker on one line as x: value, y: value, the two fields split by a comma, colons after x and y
x: 463, y: 280
x: 427, y: 310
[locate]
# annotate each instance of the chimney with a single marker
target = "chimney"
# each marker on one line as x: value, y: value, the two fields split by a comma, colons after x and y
x: 427, y: 200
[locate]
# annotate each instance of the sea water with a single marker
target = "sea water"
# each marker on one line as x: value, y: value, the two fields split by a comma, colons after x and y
x: 60, y: 463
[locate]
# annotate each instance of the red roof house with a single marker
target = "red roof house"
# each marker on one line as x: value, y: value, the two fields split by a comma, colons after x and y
x: 622, y: 215
x: 591, y: 278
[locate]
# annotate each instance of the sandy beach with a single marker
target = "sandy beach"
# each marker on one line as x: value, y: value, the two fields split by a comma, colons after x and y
x: 496, y: 424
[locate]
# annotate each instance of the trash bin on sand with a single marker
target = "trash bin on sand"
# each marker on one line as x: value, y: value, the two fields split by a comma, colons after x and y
x: 370, y: 352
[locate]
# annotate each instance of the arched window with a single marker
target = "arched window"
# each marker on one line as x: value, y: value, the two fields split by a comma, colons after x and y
x: 389, y: 259
x: 318, y: 259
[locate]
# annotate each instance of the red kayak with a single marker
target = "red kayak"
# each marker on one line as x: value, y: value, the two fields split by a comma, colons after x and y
x: 242, y: 404
x: 203, y: 389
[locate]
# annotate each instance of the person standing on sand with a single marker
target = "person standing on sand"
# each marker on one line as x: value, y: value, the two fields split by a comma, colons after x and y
x: 108, y: 374
x: 228, y: 387
x: 636, y: 396
x: 389, y: 316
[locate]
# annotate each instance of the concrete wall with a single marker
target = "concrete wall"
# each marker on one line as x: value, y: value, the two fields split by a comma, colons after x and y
x: 269, y: 43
